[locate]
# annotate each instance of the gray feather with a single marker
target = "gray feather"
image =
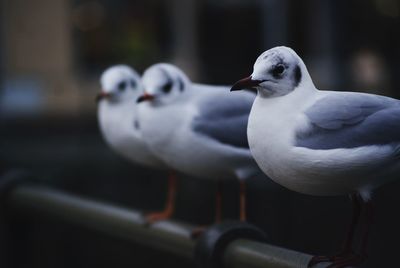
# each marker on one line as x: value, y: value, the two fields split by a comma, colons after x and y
x: 349, y: 120
x: 225, y: 119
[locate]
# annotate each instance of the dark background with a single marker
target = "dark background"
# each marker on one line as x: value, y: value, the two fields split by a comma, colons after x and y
x: 53, y: 52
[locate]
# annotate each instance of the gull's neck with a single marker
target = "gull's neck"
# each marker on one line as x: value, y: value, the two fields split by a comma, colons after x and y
x: 305, y: 91
x: 292, y: 102
x: 118, y: 118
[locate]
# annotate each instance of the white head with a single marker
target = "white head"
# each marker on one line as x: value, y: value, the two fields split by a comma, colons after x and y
x: 119, y: 83
x: 277, y: 72
x: 163, y: 83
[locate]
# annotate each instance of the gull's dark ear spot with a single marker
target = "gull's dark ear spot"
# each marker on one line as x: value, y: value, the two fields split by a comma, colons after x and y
x: 132, y: 83
x: 167, y: 87
x: 180, y: 85
x: 297, y: 75
x: 121, y: 86
x: 136, y: 124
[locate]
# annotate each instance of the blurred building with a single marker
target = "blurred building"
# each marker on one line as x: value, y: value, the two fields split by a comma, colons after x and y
x: 54, y: 51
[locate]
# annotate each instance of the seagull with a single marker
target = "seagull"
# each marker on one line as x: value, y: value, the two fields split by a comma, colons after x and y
x: 321, y: 143
x: 197, y: 129
x: 120, y: 125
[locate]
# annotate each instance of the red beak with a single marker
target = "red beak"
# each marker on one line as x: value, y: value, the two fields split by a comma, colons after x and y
x: 246, y: 83
x: 102, y: 95
x: 145, y: 97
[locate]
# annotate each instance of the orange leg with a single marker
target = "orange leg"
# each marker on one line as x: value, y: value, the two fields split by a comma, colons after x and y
x: 242, y: 201
x: 218, y: 203
x: 170, y: 203
x: 218, y: 212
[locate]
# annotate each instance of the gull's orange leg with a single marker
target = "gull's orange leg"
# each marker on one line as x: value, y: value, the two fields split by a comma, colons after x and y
x: 242, y: 201
x: 218, y: 211
x: 170, y: 203
x: 218, y: 203
x: 218, y: 206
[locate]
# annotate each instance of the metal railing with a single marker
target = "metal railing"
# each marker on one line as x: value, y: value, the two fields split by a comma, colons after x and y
x: 128, y: 224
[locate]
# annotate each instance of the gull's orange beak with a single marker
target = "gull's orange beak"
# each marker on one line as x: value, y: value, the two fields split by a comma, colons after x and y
x: 103, y: 95
x: 246, y: 83
x: 145, y: 97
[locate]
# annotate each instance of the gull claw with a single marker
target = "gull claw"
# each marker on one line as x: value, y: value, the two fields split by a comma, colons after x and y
x: 157, y: 216
x: 341, y: 260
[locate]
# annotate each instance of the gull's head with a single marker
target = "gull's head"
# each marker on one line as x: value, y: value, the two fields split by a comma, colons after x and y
x: 277, y: 72
x: 163, y: 83
x: 119, y: 83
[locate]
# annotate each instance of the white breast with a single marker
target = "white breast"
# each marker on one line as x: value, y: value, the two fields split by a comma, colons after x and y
x: 117, y: 124
x: 270, y: 132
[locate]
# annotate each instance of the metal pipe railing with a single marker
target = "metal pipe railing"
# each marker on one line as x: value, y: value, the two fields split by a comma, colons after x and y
x: 251, y: 254
x: 169, y: 236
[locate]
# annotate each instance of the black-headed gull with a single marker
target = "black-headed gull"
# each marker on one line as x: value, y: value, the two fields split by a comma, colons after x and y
x: 120, y: 125
x: 199, y: 130
x: 321, y: 142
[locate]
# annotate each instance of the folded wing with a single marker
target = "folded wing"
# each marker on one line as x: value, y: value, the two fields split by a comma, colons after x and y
x: 224, y: 119
x: 349, y: 120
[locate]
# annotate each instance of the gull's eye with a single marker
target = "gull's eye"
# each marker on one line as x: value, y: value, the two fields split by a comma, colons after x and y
x: 278, y: 70
x: 121, y: 86
x: 133, y: 83
x: 167, y: 87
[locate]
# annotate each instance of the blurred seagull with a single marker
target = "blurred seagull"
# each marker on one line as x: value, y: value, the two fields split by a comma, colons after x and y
x: 321, y: 142
x: 120, y: 125
x: 196, y: 129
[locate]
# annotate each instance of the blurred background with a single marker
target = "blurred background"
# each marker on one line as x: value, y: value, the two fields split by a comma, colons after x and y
x: 52, y: 53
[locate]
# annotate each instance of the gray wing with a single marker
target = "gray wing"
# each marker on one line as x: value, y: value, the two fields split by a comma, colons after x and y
x: 225, y: 118
x: 349, y: 120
